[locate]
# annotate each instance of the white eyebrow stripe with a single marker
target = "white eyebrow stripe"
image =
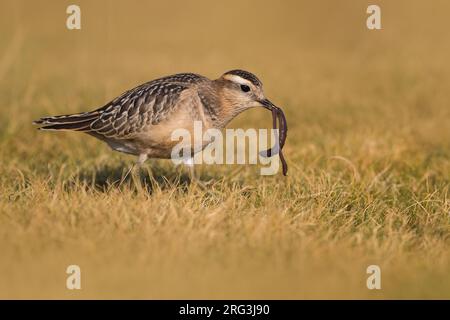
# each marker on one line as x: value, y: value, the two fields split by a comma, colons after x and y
x: 237, y: 79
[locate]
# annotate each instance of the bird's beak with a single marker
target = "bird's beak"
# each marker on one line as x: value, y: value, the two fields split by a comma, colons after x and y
x: 268, y: 105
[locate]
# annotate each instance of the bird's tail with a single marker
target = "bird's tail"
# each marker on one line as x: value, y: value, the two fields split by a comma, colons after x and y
x: 74, y: 122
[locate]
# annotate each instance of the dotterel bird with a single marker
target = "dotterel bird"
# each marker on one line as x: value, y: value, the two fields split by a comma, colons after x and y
x: 140, y: 121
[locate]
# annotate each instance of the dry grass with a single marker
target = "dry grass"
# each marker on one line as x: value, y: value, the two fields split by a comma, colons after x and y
x: 368, y: 149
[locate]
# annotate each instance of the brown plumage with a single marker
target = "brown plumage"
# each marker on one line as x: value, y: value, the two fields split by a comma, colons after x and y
x: 140, y: 121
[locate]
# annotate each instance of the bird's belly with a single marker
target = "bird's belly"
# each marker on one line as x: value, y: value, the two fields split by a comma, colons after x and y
x: 158, y: 141
x: 184, y: 127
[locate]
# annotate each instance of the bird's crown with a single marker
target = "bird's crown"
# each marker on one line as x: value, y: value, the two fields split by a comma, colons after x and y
x: 242, y: 76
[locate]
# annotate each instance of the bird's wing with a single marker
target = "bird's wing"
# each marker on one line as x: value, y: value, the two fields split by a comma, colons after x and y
x: 143, y: 106
x: 131, y: 112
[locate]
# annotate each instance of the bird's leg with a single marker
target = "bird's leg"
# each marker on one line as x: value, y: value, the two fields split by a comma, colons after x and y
x: 189, y: 162
x: 136, y: 175
x: 141, y: 159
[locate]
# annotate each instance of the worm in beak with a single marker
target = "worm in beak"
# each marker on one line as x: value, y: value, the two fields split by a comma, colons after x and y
x: 279, y: 119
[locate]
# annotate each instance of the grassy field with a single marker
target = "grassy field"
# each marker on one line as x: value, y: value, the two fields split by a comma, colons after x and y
x: 368, y: 149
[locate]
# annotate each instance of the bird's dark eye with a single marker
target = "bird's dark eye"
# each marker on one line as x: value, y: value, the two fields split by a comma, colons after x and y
x: 245, y: 88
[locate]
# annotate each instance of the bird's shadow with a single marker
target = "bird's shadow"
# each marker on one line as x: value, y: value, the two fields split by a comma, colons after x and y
x: 109, y: 177
x: 149, y: 178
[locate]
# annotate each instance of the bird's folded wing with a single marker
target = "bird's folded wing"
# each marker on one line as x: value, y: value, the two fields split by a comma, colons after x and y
x: 137, y: 109
x: 130, y: 113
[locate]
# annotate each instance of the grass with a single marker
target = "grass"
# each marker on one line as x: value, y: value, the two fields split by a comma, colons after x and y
x: 368, y: 149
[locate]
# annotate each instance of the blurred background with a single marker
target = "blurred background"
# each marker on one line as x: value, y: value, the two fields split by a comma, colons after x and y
x: 377, y: 101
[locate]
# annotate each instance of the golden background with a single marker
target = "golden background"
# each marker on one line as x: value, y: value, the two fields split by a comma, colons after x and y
x: 368, y: 150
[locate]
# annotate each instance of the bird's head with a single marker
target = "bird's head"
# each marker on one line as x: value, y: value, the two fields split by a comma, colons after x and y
x: 241, y: 90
